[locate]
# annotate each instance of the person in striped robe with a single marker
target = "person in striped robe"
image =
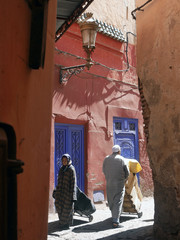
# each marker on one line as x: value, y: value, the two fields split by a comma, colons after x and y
x: 66, y: 193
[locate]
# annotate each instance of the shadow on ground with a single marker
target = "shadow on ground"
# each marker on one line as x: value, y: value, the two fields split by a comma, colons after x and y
x: 100, y: 226
x: 82, y: 226
x: 142, y: 233
x: 125, y: 218
x: 54, y: 227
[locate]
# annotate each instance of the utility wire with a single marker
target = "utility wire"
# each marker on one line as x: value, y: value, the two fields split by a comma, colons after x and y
x: 97, y: 63
x: 111, y: 80
x: 100, y: 64
x: 139, y: 9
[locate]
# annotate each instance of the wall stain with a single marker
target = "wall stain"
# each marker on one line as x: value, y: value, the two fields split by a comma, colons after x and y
x: 154, y: 92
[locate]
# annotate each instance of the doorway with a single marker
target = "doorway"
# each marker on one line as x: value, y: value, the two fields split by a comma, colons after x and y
x: 126, y: 136
x: 69, y: 138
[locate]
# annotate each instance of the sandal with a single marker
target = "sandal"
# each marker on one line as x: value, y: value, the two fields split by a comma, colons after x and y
x: 117, y: 225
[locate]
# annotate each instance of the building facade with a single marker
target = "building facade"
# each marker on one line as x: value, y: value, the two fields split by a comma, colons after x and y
x: 97, y: 108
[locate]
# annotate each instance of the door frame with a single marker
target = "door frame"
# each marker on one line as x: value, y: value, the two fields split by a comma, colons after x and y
x: 67, y: 149
x: 127, y: 131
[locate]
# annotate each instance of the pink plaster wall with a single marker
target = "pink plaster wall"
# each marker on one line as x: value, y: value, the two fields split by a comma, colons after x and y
x: 26, y: 104
x: 94, y: 97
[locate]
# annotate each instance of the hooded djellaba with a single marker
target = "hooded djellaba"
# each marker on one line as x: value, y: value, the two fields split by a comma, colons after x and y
x: 116, y: 173
x: 65, y: 192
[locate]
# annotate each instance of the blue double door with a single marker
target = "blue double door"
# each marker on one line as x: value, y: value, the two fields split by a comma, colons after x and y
x: 70, y: 139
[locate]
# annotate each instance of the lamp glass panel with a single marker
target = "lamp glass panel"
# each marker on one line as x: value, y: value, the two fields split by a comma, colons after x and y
x: 89, y: 37
x: 92, y: 39
x: 85, y: 37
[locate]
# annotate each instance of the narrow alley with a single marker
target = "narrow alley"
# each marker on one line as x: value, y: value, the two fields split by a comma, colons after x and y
x: 133, y: 228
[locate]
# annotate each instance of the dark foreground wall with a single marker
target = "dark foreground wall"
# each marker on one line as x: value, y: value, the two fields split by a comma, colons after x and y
x: 25, y: 105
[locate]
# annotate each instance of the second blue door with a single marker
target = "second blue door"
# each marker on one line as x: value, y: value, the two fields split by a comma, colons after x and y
x: 126, y: 136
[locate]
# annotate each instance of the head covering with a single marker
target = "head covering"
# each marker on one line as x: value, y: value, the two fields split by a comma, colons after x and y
x: 67, y: 156
x: 116, y: 148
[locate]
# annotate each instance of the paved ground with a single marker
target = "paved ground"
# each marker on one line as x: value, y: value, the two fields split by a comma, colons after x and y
x: 100, y: 228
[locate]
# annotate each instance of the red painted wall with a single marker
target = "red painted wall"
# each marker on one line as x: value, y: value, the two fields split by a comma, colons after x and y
x: 26, y: 104
x: 94, y: 97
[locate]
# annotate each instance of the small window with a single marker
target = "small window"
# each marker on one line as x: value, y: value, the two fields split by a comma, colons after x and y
x: 118, y: 126
x: 132, y: 126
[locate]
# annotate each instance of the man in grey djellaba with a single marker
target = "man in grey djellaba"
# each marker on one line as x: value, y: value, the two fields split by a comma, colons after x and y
x: 116, y: 173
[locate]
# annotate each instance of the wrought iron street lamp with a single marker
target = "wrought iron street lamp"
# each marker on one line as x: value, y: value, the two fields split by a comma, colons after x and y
x: 88, y: 28
x: 88, y: 31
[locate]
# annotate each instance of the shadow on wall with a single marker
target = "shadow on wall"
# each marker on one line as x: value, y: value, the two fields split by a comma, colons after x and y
x: 89, y: 87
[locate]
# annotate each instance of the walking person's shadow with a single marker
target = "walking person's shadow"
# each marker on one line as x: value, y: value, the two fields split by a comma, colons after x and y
x: 54, y: 227
x: 80, y: 225
x: 144, y: 232
x: 99, y: 226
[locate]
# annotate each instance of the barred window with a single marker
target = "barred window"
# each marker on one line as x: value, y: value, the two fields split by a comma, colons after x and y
x: 132, y: 126
x: 118, y: 126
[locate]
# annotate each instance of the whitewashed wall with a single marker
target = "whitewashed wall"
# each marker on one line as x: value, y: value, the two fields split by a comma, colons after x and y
x: 116, y: 13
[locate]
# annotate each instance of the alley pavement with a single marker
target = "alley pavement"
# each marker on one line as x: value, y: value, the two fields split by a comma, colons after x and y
x: 100, y: 228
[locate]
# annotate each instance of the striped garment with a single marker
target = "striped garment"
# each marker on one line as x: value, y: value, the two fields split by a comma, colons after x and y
x: 65, y: 194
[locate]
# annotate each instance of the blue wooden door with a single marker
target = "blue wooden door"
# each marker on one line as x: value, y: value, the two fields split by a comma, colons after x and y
x: 127, y: 144
x: 126, y: 136
x: 70, y: 139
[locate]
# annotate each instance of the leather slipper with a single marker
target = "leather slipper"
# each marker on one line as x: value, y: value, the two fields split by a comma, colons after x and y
x: 117, y: 225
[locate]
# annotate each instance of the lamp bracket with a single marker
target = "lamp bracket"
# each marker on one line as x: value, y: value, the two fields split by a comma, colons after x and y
x: 67, y: 72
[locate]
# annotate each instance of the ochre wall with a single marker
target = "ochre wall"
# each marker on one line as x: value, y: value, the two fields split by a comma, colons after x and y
x: 158, y: 58
x: 92, y: 98
x: 26, y: 104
